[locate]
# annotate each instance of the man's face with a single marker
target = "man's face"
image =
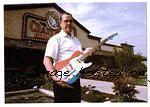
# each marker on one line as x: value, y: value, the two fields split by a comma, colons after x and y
x: 66, y: 23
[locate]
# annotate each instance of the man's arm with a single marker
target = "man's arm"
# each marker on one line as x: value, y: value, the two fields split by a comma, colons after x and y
x: 48, y: 63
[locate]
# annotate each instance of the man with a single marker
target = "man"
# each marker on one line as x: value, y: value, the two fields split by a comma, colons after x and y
x: 60, y: 47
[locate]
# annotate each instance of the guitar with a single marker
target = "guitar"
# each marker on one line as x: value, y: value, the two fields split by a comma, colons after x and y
x: 70, y: 69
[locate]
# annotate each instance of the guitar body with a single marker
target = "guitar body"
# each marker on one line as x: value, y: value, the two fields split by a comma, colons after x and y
x: 62, y: 64
x: 69, y: 69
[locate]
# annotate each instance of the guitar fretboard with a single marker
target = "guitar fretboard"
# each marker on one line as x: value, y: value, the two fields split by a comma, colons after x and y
x: 84, y: 56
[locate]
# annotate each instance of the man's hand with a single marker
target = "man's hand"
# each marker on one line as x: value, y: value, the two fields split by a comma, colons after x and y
x: 60, y: 81
x: 63, y: 83
x: 88, y: 50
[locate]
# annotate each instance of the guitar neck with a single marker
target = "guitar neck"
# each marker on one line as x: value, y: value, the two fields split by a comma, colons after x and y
x: 84, y: 56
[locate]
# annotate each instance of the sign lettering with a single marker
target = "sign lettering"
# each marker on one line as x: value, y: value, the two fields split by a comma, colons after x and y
x: 36, y: 28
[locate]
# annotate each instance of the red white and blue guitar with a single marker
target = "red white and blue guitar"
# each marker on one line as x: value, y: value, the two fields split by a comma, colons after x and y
x: 70, y: 68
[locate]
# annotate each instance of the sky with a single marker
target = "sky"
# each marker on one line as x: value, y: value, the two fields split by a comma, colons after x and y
x: 128, y: 19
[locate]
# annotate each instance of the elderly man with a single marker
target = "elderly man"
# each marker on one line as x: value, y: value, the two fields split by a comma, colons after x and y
x: 60, y: 47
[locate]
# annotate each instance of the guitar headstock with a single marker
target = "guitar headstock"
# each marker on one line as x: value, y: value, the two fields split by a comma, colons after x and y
x: 111, y: 36
x: 105, y: 40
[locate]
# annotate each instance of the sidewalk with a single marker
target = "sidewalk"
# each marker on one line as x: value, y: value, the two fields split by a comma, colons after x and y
x: 106, y: 87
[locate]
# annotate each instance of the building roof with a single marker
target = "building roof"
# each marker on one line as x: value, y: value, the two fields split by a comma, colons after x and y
x: 41, y: 5
x: 125, y: 44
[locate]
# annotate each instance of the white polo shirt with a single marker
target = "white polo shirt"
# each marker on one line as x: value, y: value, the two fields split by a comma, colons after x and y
x: 61, y: 46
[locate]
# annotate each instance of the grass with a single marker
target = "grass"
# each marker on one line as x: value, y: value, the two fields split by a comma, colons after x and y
x: 141, y: 81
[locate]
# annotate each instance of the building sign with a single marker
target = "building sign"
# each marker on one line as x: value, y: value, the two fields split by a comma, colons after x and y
x: 36, y: 28
x: 53, y: 18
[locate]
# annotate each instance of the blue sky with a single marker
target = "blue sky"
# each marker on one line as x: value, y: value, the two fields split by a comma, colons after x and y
x: 103, y: 19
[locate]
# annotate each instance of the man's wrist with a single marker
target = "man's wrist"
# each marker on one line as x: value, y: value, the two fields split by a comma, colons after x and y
x: 52, y: 73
